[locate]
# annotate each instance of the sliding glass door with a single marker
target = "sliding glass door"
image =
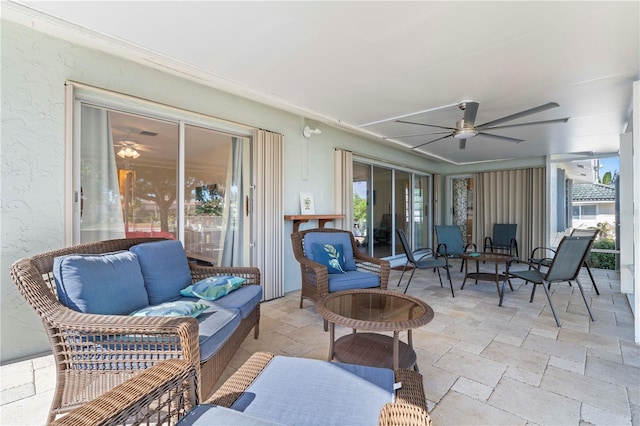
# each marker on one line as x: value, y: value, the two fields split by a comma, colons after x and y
x: 141, y: 176
x: 386, y: 200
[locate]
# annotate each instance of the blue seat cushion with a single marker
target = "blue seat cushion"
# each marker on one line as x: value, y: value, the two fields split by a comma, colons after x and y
x: 209, y: 414
x: 352, y: 280
x: 165, y: 269
x: 216, y: 325
x: 297, y: 391
x: 333, y: 238
x: 244, y: 299
x: 108, y: 283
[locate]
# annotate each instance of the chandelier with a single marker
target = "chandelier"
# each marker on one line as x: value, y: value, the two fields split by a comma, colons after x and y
x: 128, y: 149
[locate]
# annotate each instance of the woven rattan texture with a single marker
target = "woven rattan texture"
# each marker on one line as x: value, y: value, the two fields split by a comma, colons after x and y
x: 161, y: 395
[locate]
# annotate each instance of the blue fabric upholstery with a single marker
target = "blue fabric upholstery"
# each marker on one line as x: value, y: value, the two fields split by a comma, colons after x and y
x: 109, y: 283
x: 297, y: 391
x: 165, y: 269
x: 451, y: 236
x: 245, y: 299
x: 352, y: 280
x: 331, y: 256
x: 209, y: 414
x: 216, y: 325
x: 334, y: 238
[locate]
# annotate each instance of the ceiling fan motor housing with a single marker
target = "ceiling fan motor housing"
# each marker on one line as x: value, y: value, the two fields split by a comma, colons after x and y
x: 464, y: 131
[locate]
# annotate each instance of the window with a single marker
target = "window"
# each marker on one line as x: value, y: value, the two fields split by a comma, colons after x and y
x: 142, y: 172
x: 585, y: 212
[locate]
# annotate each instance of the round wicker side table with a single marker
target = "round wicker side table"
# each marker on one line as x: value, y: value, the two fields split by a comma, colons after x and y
x: 374, y: 311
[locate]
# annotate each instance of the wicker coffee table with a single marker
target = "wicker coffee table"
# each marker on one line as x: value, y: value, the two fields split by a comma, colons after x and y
x: 495, y: 276
x: 374, y: 311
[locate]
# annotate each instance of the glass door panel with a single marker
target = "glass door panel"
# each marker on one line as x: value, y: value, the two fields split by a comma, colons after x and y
x: 361, y: 205
x: 421, y: 214
x: 402, y: 197
x: 128, y: 175
x: 382, y: 200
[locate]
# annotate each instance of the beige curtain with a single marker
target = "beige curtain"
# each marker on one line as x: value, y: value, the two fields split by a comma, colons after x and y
x: 343, y: 190
x: 512, y: 196
x: 268, y: 214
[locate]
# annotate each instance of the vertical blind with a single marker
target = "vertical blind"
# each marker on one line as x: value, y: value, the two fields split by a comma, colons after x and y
x: 513, y: 196
x: 343, y: 186
x: 268, y: 211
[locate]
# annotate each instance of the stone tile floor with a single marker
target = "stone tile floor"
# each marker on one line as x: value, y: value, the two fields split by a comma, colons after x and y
x: 482, y: 364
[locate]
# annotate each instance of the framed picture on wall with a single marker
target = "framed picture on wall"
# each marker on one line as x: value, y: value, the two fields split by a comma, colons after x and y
x: 306, y: 203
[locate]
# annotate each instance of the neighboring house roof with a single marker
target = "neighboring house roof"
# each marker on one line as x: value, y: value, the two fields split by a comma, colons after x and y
x: 593, y: 192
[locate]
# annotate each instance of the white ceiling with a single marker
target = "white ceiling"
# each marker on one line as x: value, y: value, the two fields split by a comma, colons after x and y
x: 356, y: 63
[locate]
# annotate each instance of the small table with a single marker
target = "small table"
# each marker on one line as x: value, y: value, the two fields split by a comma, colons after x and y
x: 374, y: 311
x: 302, y: 218
x: 496, y: 277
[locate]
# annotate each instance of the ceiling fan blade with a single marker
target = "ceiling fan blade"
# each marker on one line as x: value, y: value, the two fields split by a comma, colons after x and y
x: 504, y: 138
x: 462, y: 144
x: 518, y: 115
x: 557, y: 120
x: 435, y: 140
x: 422, y: 124
x: 470, y: 112
x: 416, y: 134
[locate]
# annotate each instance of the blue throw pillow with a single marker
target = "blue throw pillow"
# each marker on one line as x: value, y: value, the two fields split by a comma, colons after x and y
x: 343, y: 238
x: 108, y: 283
x: 330, y: 255
x: 213, y: 288
x: 165, y: 269
x: 180, y: 308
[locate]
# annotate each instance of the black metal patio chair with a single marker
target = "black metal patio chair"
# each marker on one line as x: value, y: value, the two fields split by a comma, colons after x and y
x: 428, y: 259
x: 565, y: 266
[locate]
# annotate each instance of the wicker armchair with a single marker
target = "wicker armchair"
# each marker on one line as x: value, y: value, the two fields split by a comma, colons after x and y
x: 315, y: 277
x: 94, y: 353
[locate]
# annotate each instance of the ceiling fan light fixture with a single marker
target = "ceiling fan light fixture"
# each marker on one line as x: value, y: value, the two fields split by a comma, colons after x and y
x: 465, y: 133
x: 128, y: 150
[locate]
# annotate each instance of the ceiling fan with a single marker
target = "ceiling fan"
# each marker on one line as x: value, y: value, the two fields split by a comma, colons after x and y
x: 466, y: 128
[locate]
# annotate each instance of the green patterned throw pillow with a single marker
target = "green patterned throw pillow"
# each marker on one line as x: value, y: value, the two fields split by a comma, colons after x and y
x: 180, y: 308
x: 213, y: 288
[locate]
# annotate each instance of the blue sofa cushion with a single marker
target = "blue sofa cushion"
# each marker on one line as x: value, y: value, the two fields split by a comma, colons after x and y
x: 298, y: 391
x: 331, y: 256
x: 334, y: 238
x: 213, y: 288
x: 209, y: 414
x: 245, y: 299
x: 165, y: 269
x: 216, y: 325
x: 108, y: 283
x: 352, y: 280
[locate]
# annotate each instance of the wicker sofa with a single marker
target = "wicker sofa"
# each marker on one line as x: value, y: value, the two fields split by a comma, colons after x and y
x: 94, y: 352
x: 308, y: 392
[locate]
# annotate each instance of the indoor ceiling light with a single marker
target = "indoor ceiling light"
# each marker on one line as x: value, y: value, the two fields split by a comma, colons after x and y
x: 128, y: 149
